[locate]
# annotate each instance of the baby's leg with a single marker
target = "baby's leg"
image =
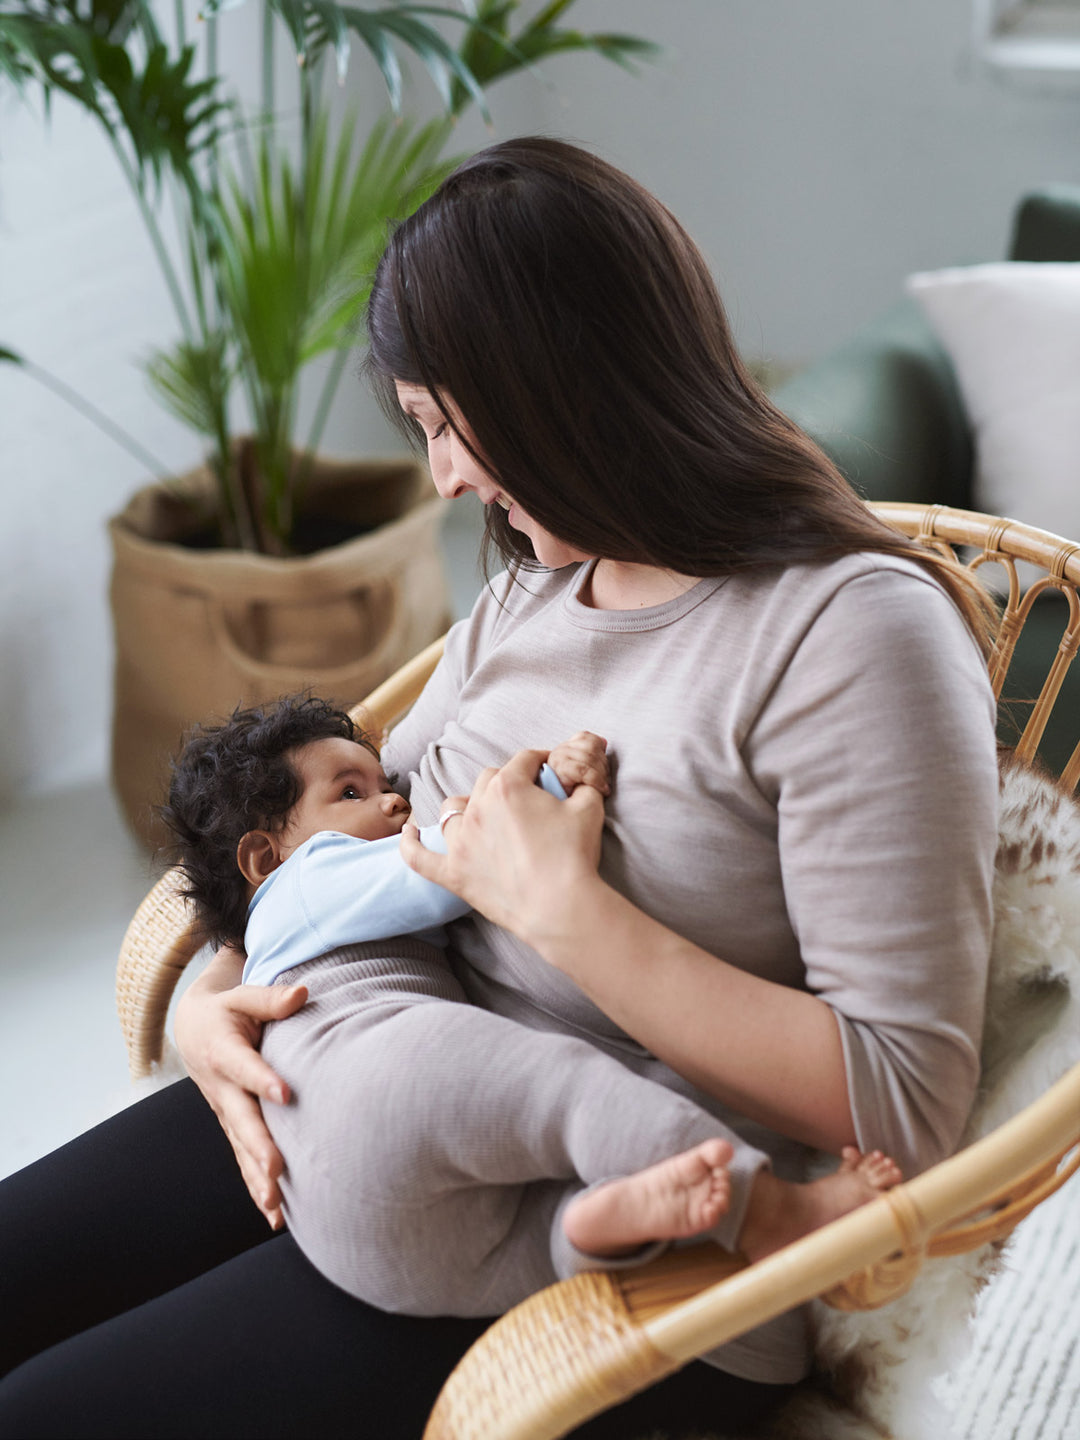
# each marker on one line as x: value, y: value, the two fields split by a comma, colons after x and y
x: 418, y: 1128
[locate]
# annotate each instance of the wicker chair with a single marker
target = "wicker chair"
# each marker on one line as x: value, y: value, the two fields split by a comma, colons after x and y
x: 584, y: 1345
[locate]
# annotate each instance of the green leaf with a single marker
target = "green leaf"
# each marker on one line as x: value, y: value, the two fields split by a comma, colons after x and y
x: 11, y: 356
x: 193, y: 381
x: 113, y: 66
x: 295, y: 14
x: 442, y: 61
x: 374, y: 36
x: 491, y: 51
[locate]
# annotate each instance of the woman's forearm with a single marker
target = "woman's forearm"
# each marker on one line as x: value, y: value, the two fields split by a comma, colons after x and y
x: 770, y: 1052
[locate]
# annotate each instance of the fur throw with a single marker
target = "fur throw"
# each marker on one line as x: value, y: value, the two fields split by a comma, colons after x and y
x: 876, y: 1366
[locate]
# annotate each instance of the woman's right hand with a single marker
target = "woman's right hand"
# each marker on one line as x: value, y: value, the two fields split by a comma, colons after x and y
x: 218, y: 1026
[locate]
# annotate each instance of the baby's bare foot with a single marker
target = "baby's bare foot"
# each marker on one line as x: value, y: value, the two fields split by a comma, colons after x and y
x: 780, y: 1212
x: 672, y: 1200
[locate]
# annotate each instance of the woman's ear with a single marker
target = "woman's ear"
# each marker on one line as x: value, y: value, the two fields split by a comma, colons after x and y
x: 258, y: 855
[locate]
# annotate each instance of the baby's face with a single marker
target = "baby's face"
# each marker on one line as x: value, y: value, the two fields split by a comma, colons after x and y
x: 345, y: 789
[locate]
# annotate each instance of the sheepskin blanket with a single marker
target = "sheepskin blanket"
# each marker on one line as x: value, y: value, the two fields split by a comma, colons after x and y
x: 875, y: 1367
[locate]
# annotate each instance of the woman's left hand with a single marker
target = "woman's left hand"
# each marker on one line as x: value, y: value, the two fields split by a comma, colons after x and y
x: 516, y: 854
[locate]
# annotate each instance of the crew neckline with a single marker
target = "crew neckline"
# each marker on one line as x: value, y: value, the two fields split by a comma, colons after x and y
x: 649, y: 617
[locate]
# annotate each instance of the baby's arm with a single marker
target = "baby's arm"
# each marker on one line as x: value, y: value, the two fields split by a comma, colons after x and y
x: 582, y: 760
x: 337, y: 890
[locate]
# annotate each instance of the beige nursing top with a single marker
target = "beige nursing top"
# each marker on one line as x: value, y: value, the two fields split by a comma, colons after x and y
x: 804, y: 785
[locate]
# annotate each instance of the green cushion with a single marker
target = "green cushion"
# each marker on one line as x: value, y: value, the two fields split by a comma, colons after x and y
x: 886, y: 409
x: 1047, y: 225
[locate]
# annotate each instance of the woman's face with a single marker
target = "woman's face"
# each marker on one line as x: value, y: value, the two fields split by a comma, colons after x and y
x: 455, y: 472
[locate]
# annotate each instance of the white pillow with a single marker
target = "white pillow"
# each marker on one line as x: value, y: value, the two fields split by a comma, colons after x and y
x: 1012, y: 331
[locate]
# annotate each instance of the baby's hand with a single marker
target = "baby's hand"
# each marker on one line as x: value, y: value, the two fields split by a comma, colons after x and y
x: 582, y: 760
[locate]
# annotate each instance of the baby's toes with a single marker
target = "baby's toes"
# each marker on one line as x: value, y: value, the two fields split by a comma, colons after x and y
x: 717, y: 1153
x: 722, y: 1191
x: 882, y: 1171
x: 718, y: 1200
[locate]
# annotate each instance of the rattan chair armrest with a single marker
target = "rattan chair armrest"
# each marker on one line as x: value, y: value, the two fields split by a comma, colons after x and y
x: 586, y: 1344
x: 160, y: 940
x: 389, y: 702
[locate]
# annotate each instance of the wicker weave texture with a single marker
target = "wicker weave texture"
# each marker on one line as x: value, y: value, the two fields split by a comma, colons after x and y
x: 998, y: 541
x: 159, y: 943
x: 566, y: 1354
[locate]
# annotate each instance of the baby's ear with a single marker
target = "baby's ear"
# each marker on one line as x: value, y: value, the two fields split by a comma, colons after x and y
x: 258, y: 855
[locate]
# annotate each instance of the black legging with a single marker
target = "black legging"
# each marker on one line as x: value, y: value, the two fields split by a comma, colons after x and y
x: 142, y: 1294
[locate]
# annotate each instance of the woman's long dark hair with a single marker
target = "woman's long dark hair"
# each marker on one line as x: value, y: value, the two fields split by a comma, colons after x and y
x: 577, y: 329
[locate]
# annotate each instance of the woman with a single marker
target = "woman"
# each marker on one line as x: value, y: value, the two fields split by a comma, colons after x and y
x: 791, y: 916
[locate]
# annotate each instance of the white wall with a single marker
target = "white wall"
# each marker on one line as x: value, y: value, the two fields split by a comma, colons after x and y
x: 817, y: 149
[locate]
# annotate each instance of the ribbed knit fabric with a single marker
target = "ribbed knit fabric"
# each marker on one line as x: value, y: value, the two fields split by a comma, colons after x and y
x: 430, y: 1143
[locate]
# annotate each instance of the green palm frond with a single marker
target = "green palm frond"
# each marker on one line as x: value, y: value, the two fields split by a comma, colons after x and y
x: 278, y: 246
x: 492, y: 50
x: 193, y: 381
x: 295, y: 253
x: 397, y: 168
x: 17, y: 57
x: 444, y: 64
x: 108, y: 56
x: 297, y: 249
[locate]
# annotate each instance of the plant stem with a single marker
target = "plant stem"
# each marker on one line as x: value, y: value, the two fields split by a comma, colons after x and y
x: 93, y: 414
x: 322, y: 411
x: 268, y: 62
x: 168, y: 270
x: 211, y: 45
x: 212, y: 69
x: 181, y: 24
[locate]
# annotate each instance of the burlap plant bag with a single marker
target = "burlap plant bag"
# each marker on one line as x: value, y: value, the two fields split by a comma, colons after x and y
x: 200, y: 630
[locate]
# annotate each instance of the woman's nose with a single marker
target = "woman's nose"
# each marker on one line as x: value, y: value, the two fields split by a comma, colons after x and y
x: 447, y: 483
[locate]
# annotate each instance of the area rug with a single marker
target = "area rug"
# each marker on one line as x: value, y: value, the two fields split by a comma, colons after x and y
x: 1021, y: 1380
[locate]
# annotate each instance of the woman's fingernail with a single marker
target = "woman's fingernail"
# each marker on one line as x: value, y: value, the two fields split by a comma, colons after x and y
x: 277, y: 1094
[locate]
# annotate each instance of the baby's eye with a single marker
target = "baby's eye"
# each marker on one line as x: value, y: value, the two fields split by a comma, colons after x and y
x: 350, y: 793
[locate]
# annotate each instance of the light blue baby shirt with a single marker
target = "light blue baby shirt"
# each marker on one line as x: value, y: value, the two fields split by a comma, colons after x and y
x: 336, y: 890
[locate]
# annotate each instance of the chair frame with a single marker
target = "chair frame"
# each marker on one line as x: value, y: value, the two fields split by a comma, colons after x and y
x: 586, y: 1344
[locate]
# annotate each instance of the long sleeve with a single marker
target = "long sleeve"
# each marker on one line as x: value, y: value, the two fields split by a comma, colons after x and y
x: 878, y: 750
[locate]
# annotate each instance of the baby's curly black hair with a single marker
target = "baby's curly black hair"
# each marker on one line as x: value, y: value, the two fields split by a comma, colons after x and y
x: 236, y: 777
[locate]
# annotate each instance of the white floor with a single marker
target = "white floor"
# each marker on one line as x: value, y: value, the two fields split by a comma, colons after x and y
x: 70, y: 878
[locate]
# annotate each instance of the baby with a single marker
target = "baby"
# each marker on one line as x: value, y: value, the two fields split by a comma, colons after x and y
x: 439, y: 1159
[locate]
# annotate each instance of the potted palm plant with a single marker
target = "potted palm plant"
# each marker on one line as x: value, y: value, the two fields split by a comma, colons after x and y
x: 267, y: 568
